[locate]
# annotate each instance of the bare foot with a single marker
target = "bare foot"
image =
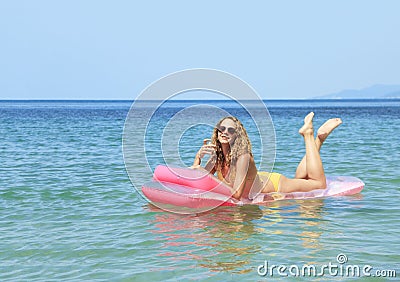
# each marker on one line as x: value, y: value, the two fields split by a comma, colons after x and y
x: 308, y: 126
x: 327, y: 128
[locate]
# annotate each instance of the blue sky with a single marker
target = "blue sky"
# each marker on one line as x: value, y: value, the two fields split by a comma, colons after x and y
x: 114, y: 49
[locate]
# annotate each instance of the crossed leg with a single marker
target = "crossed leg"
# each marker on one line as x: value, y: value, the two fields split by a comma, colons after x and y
x: 322, y: 133
x: 312, y: 167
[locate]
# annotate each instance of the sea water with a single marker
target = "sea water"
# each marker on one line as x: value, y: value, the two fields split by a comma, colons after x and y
x: 68, y: 210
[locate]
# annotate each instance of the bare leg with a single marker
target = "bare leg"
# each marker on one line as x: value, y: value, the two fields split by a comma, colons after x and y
x: 322, y: 133
x: 315, y: 171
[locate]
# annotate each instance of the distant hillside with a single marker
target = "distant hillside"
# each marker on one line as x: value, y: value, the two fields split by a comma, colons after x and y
x: 378, y: 91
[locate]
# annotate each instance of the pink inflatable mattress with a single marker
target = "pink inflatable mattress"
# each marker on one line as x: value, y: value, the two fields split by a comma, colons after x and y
x: 196, y: 189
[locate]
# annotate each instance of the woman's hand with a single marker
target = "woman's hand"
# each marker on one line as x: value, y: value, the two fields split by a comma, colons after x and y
x: 206, y: 149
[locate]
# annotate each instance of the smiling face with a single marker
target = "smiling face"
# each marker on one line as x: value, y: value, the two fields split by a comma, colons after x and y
x: 230, y: 140
x: 227, y: 132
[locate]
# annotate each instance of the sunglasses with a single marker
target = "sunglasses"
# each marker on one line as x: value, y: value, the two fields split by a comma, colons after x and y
x: 222, y: 129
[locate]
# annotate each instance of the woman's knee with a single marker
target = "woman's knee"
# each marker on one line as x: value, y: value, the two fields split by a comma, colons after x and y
x: 323, y: 183
x: 317, y: 184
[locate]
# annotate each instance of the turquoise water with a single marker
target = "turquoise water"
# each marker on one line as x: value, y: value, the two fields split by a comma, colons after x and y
x: 69, y: 212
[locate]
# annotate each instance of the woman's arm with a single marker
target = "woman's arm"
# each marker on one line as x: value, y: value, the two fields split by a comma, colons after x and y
x: 210, y: 165
x: 242, y: 166
x: 206, y: 149
x: 197, y: 160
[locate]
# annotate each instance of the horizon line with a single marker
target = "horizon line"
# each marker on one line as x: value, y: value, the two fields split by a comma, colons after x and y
x: 180, y: 100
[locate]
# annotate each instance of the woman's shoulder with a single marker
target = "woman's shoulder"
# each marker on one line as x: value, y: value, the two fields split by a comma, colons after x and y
x: 245, y: 158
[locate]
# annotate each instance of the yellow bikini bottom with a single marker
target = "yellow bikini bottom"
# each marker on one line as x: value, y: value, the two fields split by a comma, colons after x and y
x: 272, y: 176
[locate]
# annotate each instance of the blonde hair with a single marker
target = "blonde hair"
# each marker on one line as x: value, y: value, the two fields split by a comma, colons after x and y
x: 240, y: 146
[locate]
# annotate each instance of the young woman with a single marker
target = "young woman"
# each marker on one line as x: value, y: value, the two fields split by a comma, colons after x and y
x: 232, y: 159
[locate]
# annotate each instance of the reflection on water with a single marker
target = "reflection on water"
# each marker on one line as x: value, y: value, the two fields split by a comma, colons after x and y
x: 223, y: 230
x: 312, y: 212
x: 218, y: 240
x: 293, y: 221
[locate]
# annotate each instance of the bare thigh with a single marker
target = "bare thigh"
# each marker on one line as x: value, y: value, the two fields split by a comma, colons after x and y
x: 287, y: 185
